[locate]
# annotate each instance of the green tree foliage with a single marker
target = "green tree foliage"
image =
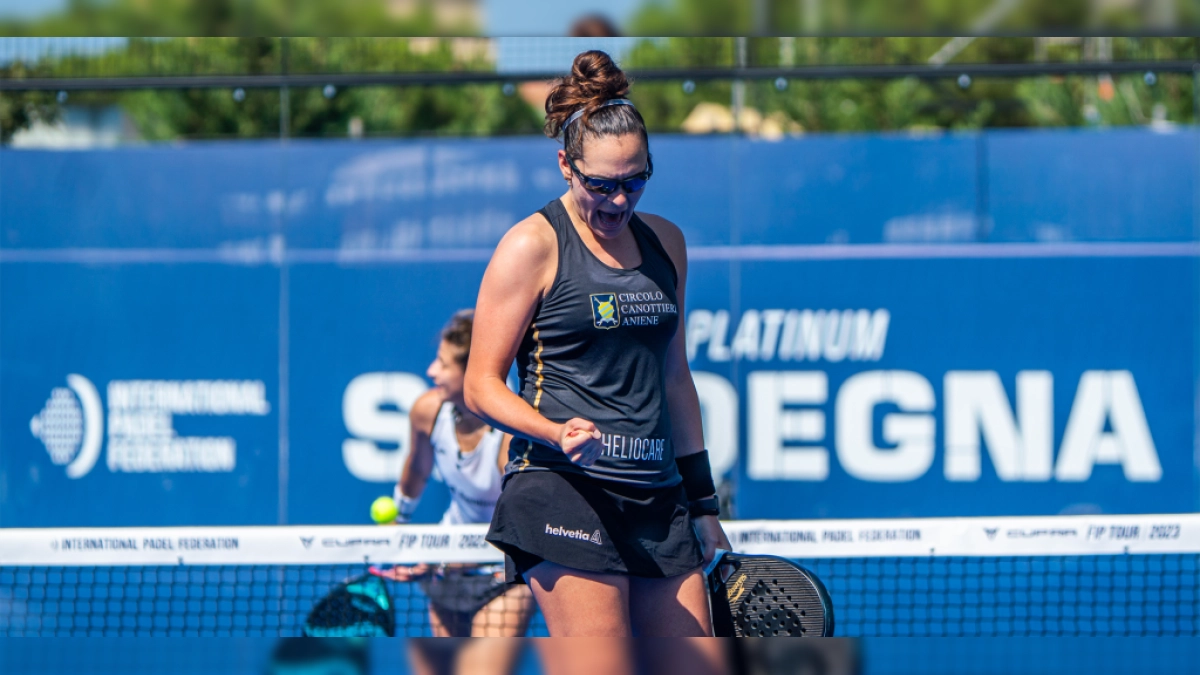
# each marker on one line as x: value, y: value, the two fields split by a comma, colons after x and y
x: 161, y: 115
x: 170, y: 114
x: 939, y: 17
x: 816, y: 105
x: 909, y: 103
x: 20, y: 110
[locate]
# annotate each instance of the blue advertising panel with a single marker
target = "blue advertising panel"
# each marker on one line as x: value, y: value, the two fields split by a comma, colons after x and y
x: 138, y: 395
x: 694, y: 186
x: 232, y: 333
x: 387, y: 198
x: 217, y: 196
x: 942, y: 387
x: 384, y: 196
x: 856, y: 189
x: 1115, y: 185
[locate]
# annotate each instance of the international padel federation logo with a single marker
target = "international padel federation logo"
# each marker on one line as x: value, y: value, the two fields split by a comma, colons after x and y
x: 605, y: 313
x: 138, y: 424
x: 71, y: 426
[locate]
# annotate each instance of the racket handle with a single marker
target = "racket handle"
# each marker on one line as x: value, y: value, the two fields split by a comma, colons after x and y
x: 712, y: 565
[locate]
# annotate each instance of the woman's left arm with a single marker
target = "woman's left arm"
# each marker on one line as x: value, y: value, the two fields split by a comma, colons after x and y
x: 687, y: 430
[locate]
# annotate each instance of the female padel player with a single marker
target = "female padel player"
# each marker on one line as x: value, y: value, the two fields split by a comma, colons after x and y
x: 464, y: 600
x: 608, y: 510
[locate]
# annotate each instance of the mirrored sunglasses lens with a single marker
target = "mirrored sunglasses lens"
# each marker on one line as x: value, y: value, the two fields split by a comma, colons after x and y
x: 604, y: 187
x: 634, y: 184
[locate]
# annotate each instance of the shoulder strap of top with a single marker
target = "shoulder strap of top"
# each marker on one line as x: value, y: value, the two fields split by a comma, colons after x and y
x: 438, y: 422
x: 564, y: 231
x: 556, y: 213
x: 646, y: 233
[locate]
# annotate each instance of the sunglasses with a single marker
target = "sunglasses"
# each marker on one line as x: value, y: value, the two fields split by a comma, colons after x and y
x: 607, y: 186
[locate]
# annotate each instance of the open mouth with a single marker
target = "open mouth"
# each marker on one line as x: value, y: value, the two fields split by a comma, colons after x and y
x: 610, y: 219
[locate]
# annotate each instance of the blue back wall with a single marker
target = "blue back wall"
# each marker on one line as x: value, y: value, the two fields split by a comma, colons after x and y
x: 1000, y: 323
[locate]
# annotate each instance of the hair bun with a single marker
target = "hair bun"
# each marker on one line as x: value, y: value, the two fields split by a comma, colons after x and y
x: 594, y: 79
x: 595, y: 73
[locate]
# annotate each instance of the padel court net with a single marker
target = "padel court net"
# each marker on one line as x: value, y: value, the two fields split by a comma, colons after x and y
x: 1032, y: 576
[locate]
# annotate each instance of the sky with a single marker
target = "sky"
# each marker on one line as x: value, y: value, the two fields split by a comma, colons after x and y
x: 547, y: 17
x: 29, y: 8
x: 503, y: 17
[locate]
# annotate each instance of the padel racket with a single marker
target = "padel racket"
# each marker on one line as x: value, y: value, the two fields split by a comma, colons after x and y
x: 765, y: 596
x: 403, y: 572
x: 358, y: 607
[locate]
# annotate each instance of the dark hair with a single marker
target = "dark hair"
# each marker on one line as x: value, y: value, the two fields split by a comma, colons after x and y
x: 457, y: 333
x: 593, y: 26
x: 594, y: 79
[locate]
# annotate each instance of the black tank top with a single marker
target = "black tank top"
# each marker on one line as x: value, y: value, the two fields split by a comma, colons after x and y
x: 597, y: 349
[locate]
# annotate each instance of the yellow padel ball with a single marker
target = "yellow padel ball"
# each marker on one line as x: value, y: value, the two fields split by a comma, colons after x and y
x: 383, y: 510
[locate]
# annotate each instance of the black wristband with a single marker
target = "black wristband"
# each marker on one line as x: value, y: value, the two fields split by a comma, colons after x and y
x: 709, y: 506
x: 697, y: 475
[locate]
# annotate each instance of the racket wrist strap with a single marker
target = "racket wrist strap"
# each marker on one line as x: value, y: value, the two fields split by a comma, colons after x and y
x: 697, y: 475
x: 405, y: 506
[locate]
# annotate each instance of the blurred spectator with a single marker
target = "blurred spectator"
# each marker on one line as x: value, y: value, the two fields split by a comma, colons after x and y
x: 593, y: 26
x: 586, y: 26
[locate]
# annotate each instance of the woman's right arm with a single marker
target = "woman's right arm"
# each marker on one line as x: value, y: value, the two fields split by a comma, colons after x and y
x: 419, y: 463
x: 520, y: 273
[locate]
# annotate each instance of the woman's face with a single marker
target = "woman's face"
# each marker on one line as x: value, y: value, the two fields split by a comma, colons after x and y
x: 613, y: 157
x: 447, y: 372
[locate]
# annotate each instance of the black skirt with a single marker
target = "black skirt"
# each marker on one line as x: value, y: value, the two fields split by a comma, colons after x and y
x: 464, y: 588
x: 579, y: 522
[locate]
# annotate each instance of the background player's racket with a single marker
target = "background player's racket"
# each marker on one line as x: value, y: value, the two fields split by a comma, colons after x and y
x: 765, y: 596
x: 358, y: 607
x: 403, y: 572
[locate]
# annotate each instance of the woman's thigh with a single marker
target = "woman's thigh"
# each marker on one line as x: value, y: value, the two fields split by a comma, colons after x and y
x: 576, y: 603
x: 594, y: 609
x: 507, y: 615
x: 678, y: 608
x: 671, y: 607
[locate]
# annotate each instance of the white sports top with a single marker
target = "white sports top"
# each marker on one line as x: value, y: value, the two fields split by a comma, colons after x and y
x: 473, y: 478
